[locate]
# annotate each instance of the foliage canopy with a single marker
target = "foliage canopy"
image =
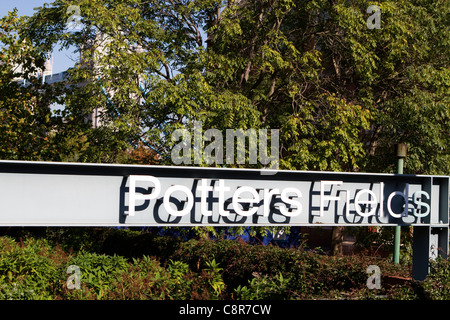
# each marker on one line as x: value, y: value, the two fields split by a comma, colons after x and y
x: 340, y: 93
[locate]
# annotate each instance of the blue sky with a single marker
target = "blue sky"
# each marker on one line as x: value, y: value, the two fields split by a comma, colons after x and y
x: 61, y: 59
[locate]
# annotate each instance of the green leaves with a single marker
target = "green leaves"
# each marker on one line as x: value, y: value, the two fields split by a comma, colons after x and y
x: 263, y: 287
x: 330, y: 140
x: 27, y: 271
x: 340, y: 93
x: 25, y: 116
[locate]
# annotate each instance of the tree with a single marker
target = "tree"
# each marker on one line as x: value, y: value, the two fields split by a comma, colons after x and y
x: 25, y: 116
x: 142, y: 65
x: 341, y: 93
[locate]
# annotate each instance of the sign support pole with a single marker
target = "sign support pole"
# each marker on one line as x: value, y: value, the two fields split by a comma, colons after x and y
x: 432, y: 241
x: 401, y: 155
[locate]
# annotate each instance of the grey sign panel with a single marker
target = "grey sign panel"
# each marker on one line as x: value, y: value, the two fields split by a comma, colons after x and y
x: 72, y: 194
x: 55, y: 199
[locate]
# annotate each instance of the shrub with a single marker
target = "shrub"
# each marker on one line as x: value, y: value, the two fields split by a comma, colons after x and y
x: 263, y: 287
x: 215, y: 277
x: 437, y: 285
x: 29, y: 269
x: 143, y: 279
x: 147, y: 279
x: 197, y: 269
x: 240, y: 261
x: 305, y: 273
x: 98, y: 272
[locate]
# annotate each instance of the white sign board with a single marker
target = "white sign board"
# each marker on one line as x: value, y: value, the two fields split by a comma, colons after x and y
x: 67, y: 194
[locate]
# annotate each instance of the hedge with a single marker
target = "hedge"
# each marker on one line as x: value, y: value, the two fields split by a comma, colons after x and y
x: 124, y: 264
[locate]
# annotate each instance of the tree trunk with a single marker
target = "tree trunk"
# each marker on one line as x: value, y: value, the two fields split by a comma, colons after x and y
x: 337, y: 239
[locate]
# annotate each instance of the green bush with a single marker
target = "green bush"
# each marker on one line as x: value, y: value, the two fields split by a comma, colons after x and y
x: 144, y: 279
x: 98, y: 272
x: 29, y: 269
x: 215, y: 278
x: 147, y: 279
x: 240, y: 260
x: 437, y: 285
x: 264, y: 288
x: 305, y: 273
x: 36, y: 268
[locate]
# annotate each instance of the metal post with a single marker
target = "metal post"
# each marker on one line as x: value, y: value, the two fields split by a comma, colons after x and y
x: 401, y: 155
